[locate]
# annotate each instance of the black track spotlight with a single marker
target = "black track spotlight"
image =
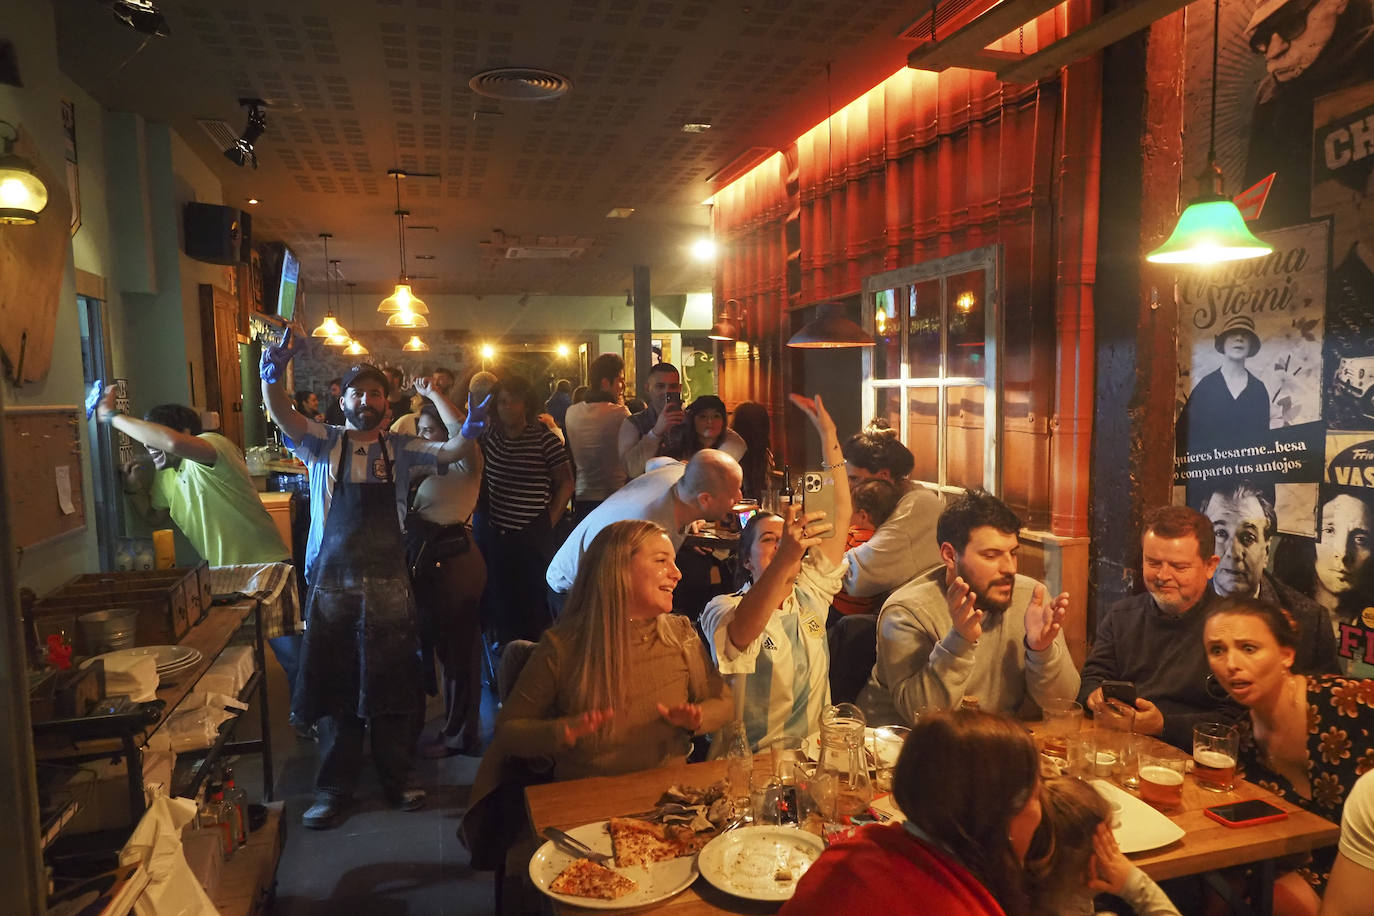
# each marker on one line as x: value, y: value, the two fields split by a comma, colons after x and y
x: 241, y: 151
x: 140, y: 15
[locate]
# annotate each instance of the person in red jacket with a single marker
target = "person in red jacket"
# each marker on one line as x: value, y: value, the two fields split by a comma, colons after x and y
x: 969, y: 784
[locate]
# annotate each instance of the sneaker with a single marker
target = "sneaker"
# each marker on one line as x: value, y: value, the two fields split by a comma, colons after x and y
x: 407, y: 799
x: 325, y: 813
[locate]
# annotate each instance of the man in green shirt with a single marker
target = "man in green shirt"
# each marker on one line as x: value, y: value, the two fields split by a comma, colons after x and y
x: 202, y: 482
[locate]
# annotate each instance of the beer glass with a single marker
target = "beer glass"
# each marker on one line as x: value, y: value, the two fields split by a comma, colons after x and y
x: 1216, y: 746
x: 1161, y: 779
x: 1063, y: 718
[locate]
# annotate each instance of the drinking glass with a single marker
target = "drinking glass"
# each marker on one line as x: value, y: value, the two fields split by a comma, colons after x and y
x: 1062, y: 719
x: 1161, y: 779
x: 1216, y: 746
x: 1115, y: 724
x: 739, y: 766
x: 815, y: 792
x: 886, y: 747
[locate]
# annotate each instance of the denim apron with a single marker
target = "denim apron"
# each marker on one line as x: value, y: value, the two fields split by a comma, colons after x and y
x: 360, y: 655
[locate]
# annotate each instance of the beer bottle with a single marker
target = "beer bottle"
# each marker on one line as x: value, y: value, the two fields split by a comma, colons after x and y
x: 785, y: 496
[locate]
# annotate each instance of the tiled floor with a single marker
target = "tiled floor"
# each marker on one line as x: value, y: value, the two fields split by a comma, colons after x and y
x: 379, y: 861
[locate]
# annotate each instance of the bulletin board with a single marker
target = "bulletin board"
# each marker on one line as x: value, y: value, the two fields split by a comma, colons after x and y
x: 43, y: 473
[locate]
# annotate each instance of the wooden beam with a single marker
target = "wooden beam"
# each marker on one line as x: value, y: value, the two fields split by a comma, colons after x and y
x: 1090, y: 39
x: 963, y: 45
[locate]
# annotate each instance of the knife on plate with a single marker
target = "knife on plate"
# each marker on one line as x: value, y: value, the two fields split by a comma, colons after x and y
x: 572, y: 846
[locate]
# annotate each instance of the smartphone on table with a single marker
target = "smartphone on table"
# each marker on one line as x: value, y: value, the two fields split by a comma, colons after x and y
x: 818, y: 495
x: 1246, y: 813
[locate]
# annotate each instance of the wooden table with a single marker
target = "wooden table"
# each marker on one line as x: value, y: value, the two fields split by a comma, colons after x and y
x: 1206, y: 845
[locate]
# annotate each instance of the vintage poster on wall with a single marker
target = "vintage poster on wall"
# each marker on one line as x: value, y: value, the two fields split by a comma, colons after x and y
x: 1299, y: 532
x: 1250, y: 371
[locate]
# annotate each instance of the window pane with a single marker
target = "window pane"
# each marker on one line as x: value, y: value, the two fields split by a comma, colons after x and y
x: 964, y: 461
x: 967, y: 323
x: 923, y: 329
x: 887, y: 332
x: 923, y: 436
x: 887, y: 406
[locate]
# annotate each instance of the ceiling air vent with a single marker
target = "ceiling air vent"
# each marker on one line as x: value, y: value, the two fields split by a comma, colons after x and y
x: 220, y: 133
x: 950, y: 16
x: 520, y: 84
x: 542, y: 253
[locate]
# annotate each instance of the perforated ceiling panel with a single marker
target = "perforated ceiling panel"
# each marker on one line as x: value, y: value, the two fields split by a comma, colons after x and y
x: 355, y: 87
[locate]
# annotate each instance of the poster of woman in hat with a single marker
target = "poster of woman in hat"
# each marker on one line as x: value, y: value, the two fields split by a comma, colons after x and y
x: 1229, y: 404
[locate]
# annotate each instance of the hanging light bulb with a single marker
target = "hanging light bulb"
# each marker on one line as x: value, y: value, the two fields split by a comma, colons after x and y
x: 402, y: 299
x: 330, y: 327
x: 1210, y: 230
x: 355, y: 348
x: 407, y: 320
x: 22, y: 193
x: 415, y: 344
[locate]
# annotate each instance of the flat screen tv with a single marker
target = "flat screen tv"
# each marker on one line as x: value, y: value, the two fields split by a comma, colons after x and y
x: 287, y: 284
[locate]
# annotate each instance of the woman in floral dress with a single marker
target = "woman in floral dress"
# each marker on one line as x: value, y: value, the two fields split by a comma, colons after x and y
x: 1308, y: 738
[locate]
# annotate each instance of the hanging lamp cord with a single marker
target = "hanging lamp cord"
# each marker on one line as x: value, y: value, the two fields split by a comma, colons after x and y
x: 400, y: 226
x: 328, y: 299
x: 1216, y: 43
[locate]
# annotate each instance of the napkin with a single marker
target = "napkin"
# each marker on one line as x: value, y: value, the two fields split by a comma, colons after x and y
x: 134, y: 675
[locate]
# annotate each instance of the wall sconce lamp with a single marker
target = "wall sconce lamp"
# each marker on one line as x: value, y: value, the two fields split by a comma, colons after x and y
x: 830, y: 329
x: 727, y: 326
x: 22, y: 193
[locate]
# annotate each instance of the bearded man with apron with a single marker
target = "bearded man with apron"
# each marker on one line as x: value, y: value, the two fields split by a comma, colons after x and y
x: 360, y: 664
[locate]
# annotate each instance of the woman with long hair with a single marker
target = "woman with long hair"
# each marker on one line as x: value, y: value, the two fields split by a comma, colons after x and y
x: 969, y: 785
x: 1307, y: 737
x: 704, y: 427
x: 620, y: 683
x: 790, y: 569
x: 1074, y: 856
x: 751, y: 423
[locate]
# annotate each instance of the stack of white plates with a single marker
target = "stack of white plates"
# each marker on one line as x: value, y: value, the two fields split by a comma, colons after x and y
x: 171, y: 660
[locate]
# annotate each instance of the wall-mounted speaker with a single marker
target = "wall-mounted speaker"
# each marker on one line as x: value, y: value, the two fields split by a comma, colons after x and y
x: 216, y: 234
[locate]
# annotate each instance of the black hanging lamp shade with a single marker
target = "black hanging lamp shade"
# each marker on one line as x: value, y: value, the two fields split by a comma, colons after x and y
x: 830, y: 329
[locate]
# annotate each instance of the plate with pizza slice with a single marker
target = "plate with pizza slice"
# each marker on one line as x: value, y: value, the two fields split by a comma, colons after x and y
x: 649, y: 863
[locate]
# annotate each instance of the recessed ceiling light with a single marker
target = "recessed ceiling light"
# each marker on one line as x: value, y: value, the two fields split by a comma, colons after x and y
x: 620, y: 212
x: 424, y: 257
x: 254, y: 200
x: 699, y: 126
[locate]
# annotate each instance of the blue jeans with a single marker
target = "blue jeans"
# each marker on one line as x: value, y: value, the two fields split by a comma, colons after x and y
x: 287, y: 649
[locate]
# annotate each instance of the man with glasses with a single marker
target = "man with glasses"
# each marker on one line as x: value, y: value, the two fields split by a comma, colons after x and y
x: 1154, y: 640
x: 1310, y: 48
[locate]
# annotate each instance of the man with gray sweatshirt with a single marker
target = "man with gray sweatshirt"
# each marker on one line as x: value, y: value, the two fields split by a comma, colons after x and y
x: 970, y: 627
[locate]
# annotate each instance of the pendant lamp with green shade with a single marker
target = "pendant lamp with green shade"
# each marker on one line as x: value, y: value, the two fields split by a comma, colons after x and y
x: 1210, y: 230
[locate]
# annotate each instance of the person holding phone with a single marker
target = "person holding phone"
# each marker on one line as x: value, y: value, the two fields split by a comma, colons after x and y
x: 769, y: 637
x: 1150, y: 639
x: 643, y: 432
x: 1307, y: 738
x: 703, y: 427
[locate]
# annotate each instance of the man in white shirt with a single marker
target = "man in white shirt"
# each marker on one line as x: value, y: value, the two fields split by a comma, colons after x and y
x: 593, y: 427
x: 707, y: 487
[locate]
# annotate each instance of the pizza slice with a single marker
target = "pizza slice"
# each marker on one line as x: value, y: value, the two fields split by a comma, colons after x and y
x: 642, y: 843
x: 585, y: 878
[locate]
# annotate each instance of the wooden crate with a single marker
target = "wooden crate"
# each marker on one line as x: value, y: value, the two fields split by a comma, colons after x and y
x: 169, y: 601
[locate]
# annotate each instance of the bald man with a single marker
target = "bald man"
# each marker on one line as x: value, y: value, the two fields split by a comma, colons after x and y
x: 704, y: 488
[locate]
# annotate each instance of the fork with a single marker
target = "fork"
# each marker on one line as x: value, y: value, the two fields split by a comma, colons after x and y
x: 573, y: 846
x: 660, y: 810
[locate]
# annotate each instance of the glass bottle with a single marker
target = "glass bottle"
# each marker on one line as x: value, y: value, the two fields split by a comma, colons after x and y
x: 785, y: 495
x: 216, y: 815
x: 739, y: 765
x: 237, y: 799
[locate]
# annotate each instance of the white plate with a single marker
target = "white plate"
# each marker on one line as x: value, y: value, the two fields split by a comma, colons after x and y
x: 1142, y: 827
x: 659, y: 881
x: 163, y: 656
x: 743, y: 862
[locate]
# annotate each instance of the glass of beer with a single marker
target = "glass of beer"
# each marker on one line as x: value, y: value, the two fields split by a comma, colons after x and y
x: 1215, y: 748
x: 1063, y: 719
x: 1161, y: 779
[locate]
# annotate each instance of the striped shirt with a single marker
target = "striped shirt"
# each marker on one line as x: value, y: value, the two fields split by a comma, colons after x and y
x: 517, y: 482
x: 786, y: 669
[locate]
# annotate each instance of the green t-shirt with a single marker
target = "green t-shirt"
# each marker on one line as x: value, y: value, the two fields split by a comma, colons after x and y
x: 217, y: 508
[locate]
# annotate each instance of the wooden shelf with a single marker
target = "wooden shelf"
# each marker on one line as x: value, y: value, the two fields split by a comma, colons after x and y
x: 247, y: 879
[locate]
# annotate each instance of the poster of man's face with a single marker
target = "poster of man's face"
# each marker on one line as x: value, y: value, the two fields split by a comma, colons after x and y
x: 1243, y: 521
x: 1291, y: 34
